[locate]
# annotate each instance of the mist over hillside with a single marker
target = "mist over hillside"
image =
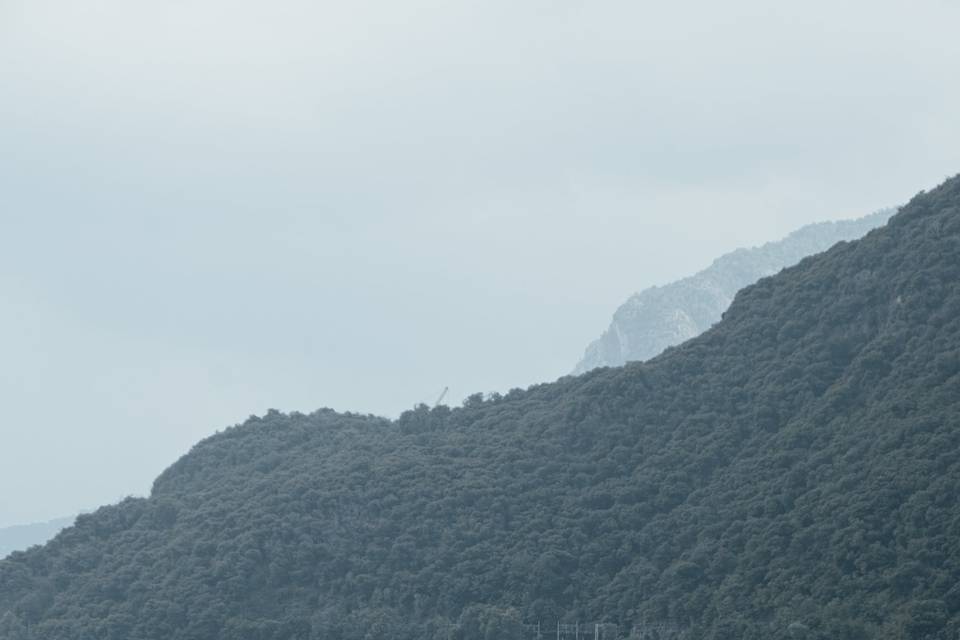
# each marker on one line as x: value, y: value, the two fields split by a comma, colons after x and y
x: 792, y: 472
x: 20, y: 537
x: 212, y: 208
x: 660, y: 317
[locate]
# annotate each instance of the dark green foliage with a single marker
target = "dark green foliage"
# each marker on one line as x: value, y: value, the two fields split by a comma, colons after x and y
x: 792, y: 473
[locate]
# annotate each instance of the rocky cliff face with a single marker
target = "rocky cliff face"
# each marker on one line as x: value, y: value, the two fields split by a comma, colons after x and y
x: 660, y: 317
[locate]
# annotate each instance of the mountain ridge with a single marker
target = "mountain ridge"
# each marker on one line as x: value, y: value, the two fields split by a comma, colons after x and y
x: 662, y: 316
x: 22, y: 536
x: 792, y: 472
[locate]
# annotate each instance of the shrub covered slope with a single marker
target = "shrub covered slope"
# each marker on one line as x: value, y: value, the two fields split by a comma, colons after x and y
x: 793, y: 472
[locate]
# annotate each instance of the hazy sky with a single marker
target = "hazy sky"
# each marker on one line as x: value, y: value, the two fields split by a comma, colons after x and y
x: 214, y: 207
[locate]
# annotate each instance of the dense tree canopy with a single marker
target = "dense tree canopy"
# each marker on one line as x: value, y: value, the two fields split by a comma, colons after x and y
x: 792, y: 473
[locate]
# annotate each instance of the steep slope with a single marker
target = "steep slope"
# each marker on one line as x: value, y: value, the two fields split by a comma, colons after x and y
x: 23, y: 536
x: 793, y: 472
x: 660, y: 317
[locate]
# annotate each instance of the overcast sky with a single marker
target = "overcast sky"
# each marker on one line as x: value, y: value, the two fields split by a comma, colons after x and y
x: 213, y: 207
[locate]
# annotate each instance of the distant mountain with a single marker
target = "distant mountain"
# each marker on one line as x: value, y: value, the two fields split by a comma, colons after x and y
x: 24, y: 536
x: 660, y: 317
x: 791, y: 474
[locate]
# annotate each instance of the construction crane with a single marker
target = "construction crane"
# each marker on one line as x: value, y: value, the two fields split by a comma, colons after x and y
x: 442, y: 396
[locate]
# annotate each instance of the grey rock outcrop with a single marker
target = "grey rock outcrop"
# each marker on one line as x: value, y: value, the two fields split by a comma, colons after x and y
x: 660, y: 317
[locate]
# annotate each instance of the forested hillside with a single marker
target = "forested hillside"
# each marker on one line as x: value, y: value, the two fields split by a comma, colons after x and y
x: 660, y: 317
x: 791, y: 473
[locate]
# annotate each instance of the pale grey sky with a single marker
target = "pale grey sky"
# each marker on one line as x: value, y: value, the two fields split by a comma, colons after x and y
x: 214, y: 207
